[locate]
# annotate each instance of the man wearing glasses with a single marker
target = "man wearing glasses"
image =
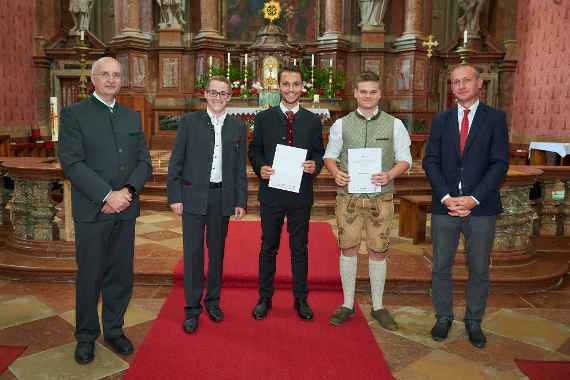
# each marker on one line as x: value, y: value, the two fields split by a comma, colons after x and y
x: 206, y: 185
x: 287, y: 124
x: 103, y: 153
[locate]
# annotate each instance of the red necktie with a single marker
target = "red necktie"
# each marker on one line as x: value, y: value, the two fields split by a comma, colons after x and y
x: 290, y: 117
x: 464, y: 130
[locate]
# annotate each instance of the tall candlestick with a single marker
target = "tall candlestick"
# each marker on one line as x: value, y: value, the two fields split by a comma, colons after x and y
x: 465, y: 37
x: 228, y: 66
x: 210, y: 61
x: 294, y: 61
x: 82, y: 35
x: 312, y: 60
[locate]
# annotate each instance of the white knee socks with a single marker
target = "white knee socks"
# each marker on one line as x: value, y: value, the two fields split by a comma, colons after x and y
x: 348, y: 279
x: 377, y: 273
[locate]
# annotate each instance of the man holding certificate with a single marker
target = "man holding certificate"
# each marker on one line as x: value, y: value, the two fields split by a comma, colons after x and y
x: 286, y: 154
x: 367, y: 150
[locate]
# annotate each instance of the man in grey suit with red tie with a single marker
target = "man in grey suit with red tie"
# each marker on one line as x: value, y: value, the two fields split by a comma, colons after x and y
x: 287, y: 124
x: 466, y: 159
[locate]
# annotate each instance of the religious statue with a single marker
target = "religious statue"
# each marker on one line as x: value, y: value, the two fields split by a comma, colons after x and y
x: 171, y: 14
x: 470, y: 11
x: 81, y: 12
x: 372, y: 12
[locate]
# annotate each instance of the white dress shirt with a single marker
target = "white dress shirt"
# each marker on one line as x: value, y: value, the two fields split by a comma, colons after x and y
x: 218, y: 122
x: 402, y: 140
x: 470, y: 117
x: 285, y: 109
x: 110, y: 105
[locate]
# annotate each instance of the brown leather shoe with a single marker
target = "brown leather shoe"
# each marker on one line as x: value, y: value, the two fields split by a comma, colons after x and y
x: 385, y: 319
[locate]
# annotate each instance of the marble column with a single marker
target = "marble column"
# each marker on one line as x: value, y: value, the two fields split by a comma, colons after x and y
x: 548, y: 211
x: 413, y: 25
x: 209, y: 20
x: 565, y: 209
x: 128, y: 19
x: 4, y: 197
x: 333, y: 18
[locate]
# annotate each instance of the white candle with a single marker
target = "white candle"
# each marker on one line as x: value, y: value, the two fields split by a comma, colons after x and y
x: 465, y: 37
x: 246, y: 59
x: 81, y: 35
x: 229, y: 58
x: 331, y: 63
x: 294, y: 61
x: 210, y: 61
x: 312, y: 60
x: 54, y: 118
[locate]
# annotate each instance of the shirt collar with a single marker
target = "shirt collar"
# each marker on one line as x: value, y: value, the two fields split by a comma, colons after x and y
x: 215, y: 119
x: 111, y: 106
x: 285, y: 109
x: 472, y: 109
x: 374, y: 115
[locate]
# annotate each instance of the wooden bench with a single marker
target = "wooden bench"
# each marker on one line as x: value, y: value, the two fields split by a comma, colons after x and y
x: 413, y: 212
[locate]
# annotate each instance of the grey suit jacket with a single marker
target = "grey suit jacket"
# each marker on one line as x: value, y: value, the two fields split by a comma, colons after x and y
x: 100, y: 151
x: 191, y: 163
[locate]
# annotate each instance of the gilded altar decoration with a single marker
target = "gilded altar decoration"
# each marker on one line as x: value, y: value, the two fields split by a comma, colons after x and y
x: 270, y: 70
x: 271, y: 10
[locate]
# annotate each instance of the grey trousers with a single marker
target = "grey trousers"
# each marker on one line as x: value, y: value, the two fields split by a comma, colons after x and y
x: 479, y: 234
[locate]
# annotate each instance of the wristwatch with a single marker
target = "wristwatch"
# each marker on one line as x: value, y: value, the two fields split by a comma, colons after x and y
x: 131, y: 189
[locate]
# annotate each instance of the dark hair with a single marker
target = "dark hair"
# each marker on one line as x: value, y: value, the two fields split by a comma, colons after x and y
x: 218, y: 78
x: 460, y: 65
x: 366, y: 76
x: 289, y: 69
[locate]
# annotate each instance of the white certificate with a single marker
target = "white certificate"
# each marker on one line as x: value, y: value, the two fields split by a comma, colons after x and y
x: 288, y: 168
x: 362, y: 163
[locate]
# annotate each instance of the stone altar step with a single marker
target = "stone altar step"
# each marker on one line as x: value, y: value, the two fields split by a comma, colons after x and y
x: 408, y: 273
x: 153, y: 197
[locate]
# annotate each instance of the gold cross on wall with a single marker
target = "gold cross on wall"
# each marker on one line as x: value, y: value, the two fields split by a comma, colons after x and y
x: 429, y: 45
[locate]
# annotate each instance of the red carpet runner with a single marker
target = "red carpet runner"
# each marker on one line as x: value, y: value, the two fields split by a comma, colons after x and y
x: 544, y: 370
x: 8, y: 354
x: 279, y: 347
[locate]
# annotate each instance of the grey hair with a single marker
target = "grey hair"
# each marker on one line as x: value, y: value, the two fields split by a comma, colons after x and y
x: 97, y: 62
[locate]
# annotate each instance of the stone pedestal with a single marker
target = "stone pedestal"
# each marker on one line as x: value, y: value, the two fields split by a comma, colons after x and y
x: 372, y: 37
x: 170, y: 37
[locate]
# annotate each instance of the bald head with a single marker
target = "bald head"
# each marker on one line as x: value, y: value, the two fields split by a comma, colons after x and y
x: 103, y: 60
x: 106, y: 78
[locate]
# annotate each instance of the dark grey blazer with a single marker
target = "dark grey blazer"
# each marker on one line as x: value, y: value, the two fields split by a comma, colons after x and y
x: 191, y: 163
x: 100, y: 151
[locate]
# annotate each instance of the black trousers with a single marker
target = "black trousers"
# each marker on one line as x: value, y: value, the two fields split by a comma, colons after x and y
x: 272, y: 218
x: 215, y: 226
x: 479, y: 233
x: 104, y: 253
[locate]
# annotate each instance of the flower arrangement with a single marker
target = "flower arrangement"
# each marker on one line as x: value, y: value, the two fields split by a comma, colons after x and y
x: 321, y: 84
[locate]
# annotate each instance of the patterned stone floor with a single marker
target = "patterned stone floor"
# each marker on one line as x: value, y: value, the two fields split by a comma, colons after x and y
x: 536, y: 326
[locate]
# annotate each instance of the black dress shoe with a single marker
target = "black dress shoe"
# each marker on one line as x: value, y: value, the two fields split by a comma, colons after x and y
x: 84, y: 352
x: 476, y: 336
x: 261, y: 308
x: 121, y: 345
x: 215, y: 313
x: 440, y: 329
x: 303, y: 309
x: 190, y: 325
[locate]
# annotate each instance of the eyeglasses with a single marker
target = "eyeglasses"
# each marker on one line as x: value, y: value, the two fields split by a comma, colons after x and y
x: 464, y: 81
x: 105, y: 75
x: 221, y: 94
